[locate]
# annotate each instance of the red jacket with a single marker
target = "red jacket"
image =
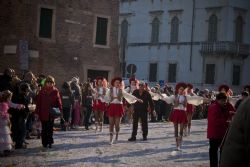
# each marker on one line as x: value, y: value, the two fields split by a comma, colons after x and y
x: 218, y: 118
x: 47, y: 98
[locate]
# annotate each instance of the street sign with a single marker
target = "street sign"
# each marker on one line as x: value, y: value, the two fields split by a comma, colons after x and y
x: 131, y: 68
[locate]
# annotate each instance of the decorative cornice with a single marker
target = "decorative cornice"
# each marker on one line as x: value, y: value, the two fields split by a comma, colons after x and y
x: 127, y: 14
x: 127, y: 1
x: 177, y: 11
x: 156, y: 12
x: 215, y: 8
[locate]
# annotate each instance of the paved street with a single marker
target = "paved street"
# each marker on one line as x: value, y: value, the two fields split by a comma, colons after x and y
x: 87, y: 148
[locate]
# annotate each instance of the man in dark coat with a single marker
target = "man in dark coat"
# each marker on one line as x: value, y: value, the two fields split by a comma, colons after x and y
x: 19, y: 117
x: 141, y: 111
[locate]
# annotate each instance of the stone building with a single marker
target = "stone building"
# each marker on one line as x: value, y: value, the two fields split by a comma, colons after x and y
x: 63, y: 38
x: 204, y: 42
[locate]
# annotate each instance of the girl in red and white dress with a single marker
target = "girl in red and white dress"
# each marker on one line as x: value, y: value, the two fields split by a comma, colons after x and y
x: 99, y: 105
x: 115, y: 110
x: 190, y: 109
x: 134, y: 84
x: 178, y: 115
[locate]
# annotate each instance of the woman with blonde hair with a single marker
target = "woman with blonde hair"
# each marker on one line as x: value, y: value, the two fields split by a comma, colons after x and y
x: 47, y: 99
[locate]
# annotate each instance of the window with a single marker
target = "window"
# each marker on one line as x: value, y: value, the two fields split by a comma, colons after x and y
x: 101, y: 31
x: 172, y: 72
x: 212, y: 28
x: 210, y: 74
x: 46, y: 20
x: 239, y: 29
x: 155, y: 31
x: 153, y: 72
x: 174, y: 30
x: 236, y: 75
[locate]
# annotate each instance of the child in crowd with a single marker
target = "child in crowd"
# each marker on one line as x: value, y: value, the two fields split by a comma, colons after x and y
x: 5, y: 138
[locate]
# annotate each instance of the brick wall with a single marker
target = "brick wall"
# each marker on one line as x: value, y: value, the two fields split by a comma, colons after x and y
x: 74, y: 31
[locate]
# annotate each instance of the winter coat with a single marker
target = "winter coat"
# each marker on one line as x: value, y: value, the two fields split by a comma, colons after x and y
x: 67, y: 98
x: 218, y: 120
x: 47, y: 98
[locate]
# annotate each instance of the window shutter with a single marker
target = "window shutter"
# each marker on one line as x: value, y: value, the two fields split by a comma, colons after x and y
x: 101, y: 31
x: 210, y: 73
x: 236, y: 75
x: 46, y: 16
x: 172, y: 72
x: 153, y: 72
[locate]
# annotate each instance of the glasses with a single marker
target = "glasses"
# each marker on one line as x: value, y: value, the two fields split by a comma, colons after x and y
x: 49, y: 82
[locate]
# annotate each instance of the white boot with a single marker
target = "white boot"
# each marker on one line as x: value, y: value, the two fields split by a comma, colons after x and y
x: 111, y: 138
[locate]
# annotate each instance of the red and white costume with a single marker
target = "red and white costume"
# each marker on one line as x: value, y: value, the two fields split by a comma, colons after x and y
x: 99, y: 102
x: 179, y: 112
x: 115, y: 108
x: 190, y: 107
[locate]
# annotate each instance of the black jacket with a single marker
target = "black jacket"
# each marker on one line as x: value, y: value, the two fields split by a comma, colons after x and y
x: 147, y: 101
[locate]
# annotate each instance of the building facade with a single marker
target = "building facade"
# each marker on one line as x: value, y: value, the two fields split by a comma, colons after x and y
x: 203, y: 42
x: 63, y: 38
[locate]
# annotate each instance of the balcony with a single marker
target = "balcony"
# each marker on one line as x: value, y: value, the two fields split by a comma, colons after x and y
x: 225, y: 48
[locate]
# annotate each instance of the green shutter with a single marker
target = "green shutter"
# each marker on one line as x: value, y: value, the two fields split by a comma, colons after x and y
x: 101, y: 31
x: 45, y: 30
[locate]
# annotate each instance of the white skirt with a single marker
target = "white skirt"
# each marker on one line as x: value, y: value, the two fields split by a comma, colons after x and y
x: 5, y: 139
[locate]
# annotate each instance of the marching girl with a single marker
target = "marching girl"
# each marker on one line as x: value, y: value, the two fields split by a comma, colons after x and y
x: 189, y: 110
x: 179, y: 115
x: 115, y: 110
x: 134, y: 84
x: 99, y: 105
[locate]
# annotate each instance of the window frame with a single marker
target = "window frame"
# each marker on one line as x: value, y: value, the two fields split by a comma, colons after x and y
x: 168, y: 71
x: 232, y: 81
x: 214, y: 77
x: 149, y: 70
x: 236, y: 37
x: 53, y: 28
x: 108, y: 31
x: 174, y: 30
x: 155, y: 30
x: 212, y: 29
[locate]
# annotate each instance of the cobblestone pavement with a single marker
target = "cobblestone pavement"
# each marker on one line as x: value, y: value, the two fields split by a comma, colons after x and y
x: 90, y: 149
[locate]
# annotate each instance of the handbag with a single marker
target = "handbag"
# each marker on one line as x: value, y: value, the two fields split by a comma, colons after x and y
x: 55, y: 112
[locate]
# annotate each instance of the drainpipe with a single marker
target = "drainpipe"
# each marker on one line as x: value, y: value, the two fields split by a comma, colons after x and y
x: 192, y: 37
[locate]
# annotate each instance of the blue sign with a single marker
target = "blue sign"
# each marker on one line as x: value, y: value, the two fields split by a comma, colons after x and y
x: 161, y: 83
